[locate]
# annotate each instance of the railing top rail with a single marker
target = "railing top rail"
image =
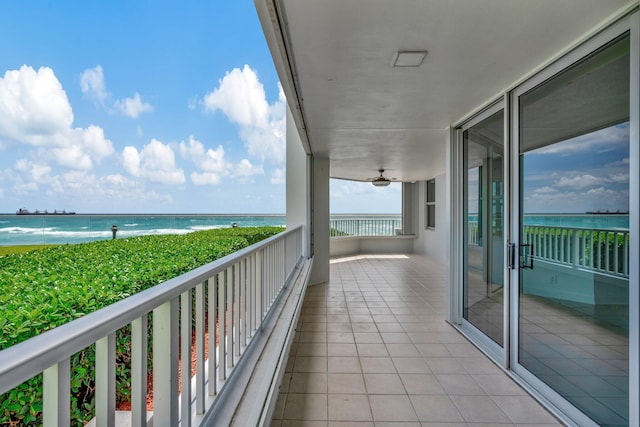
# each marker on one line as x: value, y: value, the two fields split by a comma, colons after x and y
x: 564, y: 227
x: 20, y: 361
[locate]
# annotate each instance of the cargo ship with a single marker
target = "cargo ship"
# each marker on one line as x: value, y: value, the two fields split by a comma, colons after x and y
x: 25, y: 211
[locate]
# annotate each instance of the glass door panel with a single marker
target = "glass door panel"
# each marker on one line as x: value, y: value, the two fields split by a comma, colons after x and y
x: 483, y: 186
x: 573, y: 301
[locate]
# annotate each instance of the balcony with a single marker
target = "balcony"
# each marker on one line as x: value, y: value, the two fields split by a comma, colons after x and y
x: 243, y: 304
x: 372, y: 346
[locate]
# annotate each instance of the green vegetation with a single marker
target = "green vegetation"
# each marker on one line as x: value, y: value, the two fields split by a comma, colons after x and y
x: 334, y: 232
x: 45, y: 288
x: 7, y: 250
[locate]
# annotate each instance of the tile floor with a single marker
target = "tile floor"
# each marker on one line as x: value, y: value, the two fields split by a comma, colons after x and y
x: 372, y: 349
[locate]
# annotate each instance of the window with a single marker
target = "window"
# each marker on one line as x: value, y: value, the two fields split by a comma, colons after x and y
x: 430, y: 205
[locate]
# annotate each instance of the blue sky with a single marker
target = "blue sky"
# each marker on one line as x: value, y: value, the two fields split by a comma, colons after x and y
x: 145, y: 107
x: 586, y: 173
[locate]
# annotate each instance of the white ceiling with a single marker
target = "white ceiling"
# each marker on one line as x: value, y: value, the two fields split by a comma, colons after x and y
x: 364, y: 114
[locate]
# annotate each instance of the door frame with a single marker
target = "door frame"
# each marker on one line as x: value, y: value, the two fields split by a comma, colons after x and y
x: 507, y: 357
x: 553, y: 400
x: 487, y: 345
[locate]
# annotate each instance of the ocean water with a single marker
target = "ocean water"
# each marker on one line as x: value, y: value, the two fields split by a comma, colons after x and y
x: 588, y: 221
x: 56, y: 229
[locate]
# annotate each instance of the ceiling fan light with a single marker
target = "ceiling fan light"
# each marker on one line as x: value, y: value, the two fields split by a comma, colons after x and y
x: 381, y: 182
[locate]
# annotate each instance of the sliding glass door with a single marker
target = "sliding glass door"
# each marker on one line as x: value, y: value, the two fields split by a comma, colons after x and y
x: 573, y: 234
x: 483, y: 206
x: 543, y: 238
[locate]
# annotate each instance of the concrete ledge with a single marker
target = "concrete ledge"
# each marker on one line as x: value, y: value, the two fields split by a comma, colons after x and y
x: 352, y: 245
x: 251, y: 397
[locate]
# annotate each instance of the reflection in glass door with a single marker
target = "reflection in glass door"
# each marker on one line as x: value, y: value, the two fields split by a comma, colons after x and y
x: 573, y: 303
x: 483, y: 186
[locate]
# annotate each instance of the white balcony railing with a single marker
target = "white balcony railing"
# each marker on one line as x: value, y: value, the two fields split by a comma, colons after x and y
x: 599, y: 250
x: 364, y: 226
x: 241, y: 288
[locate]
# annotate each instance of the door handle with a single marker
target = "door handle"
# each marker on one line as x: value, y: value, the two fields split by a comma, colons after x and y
x: 511, y: 256
x: 526, y: 256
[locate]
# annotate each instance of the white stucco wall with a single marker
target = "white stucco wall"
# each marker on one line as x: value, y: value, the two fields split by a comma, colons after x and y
x: 433, y: 242
x: 298, y: 182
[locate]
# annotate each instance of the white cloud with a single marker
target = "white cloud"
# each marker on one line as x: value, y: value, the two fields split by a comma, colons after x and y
x: 278, y: 176
x: 33, y: 106
x: 244, y: 170
x: 599, y: 141
x: 241, y: 97
x: 622, y: 178
x: 132, y: 107
x: 212, y: 165
x: 155, y: 162
x: 601, y: 191
x: 35, y: 111
x: 545, y: 190
x: 92, y: 84
x: 131, y: 160
x: 577, y: 182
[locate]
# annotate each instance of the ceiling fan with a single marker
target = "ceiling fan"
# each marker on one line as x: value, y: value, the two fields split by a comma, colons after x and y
x: 381, y: 181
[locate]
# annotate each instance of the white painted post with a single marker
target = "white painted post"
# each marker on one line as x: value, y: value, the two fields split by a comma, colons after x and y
x: 258, y: 286
x: 165, y: 364
x: 185, y: 353
x: 55, y: 394
x: 237, y: 307
x: 139, y: 372
x: 229, y: 310
x: 213, y: 334
x: 222, y: 326
x: 200, y: 338
x: 106, y: 381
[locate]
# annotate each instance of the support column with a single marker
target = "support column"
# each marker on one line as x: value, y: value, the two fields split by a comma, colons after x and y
x: 320, y: 221
x: 298, y: 182
x: 410, y: 202
x: 308, y: 200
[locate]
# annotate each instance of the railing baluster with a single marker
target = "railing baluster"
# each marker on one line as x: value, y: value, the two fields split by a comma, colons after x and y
x: 607, y: 257
x: 246, y: 283
x: 616, y: 255
x: 586, y: 257
x: 626, y: 255
x: 139, y: 372
x: 592, y: 254
x: 222, y: 327
x: 106, y: 381
x: 243, y: 304
x: 237, y: 308
x: 200, y: 338
x: 258, y: 287
x: 599, y: 250
x: 575, y: 248
x: 165, y: 364
x: 230, y: 309
x: 55, y: 394
x: 213, y: 334
x: 186, y: 322
x: 252, y: 294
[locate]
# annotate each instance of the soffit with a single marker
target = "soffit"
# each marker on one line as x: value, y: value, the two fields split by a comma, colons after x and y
x: 364, y: 114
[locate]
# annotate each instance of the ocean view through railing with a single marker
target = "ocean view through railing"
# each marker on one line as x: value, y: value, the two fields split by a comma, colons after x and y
x: 365, y: 225
x: 225, y: 303
x: 78, y: 228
